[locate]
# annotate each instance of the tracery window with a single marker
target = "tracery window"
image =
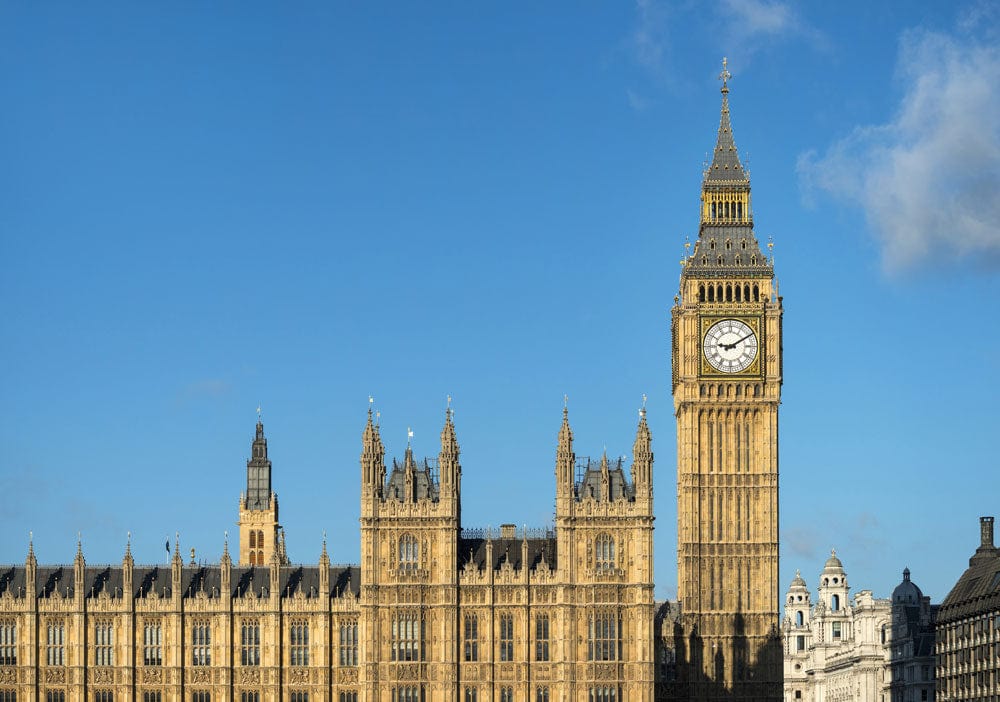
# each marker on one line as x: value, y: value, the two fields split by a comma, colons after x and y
x: 542, y: 694
x: 604, y: 557
x: 152, y: 644
x: 506, y: 637
x: 8, y: 642
x: 246, y: 696
x: 470, y: 638
x: 349, y: 696
x: 201, y: 696
x: 349, y: 643
x: 408, y: 693
x: 603, y: 694
x: 154, y: 696
x: 250, y: 643
x: 299, y: 640
x: 8, y: 695
x: 55, y: 696
x: 603, y: 637
x: 300, y: 697
x: 201, y: 642
x: 104, y: 696
x: 470, y: 694
x: 407, y: 637
x: 104, y: 643
x: 54, y: 644
x: 542, y: 637
x: 409, y: 552
x: 506, y: 694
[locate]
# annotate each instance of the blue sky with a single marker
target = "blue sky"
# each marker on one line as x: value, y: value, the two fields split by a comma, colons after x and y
x: 207, y: 208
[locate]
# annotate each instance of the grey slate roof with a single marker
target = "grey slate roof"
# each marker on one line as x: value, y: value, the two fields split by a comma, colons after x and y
x: 978, y: 590
x: 474, y: 551
x: 727, y: 249
x: 726, y: 164
x: 194, y: 579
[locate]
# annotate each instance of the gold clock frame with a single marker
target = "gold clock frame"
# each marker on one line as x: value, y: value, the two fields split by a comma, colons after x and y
x: 756, y: 367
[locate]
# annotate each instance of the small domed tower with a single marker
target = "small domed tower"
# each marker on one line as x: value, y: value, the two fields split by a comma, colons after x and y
x: 795, y: 630
x: 833, y: 588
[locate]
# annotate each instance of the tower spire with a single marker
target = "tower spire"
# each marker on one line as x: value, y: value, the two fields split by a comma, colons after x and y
x: 726, y: 164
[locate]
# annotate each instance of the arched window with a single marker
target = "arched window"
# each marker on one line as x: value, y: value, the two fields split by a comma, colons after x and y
x: 711, y: 293
x: 799, y: 619
x: 701, y: 293
x: 746, y: 293
x: 260, y: 557
x: 260, y: 539
x: 739, y: 290
x: 253, y: 539
x: 756, y: 293
x: 835, y: 603
x: 713, y: 210
x: 604, y: 548
x: 409, y: 552
x: 729, y: 293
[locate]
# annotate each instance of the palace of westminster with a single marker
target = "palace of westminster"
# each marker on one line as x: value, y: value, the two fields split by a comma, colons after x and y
x: 437, y: 611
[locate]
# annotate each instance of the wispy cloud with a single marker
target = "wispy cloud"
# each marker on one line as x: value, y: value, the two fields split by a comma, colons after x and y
x: 927, y: 179
x: 751, y: 25
x: 636, y: 101
x: 649, y: 39
x: 208, y: 388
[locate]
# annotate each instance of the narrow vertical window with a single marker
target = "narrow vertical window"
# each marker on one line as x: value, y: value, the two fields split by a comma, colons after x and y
x: 201, y: 643
x: 542, y: 638
x: 152, y: 644
x: 470, y: 694
x: 604, y: 547
x: 54, y: 644
x: 542, y: 694
x: 250, y: 643
x: 8, y: 642
x: 103, y: 644
x: 506, y: 637
x: 470, y: 639
x: 349, y: 643
x: 298, y: 638
x: 506, y: 694
x: 409, y: 552
x: 407, y: 637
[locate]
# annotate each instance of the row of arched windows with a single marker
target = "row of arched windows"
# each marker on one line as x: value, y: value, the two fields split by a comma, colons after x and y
x: 604, y: 552
x: 729, y: 292
x: 726, y: 209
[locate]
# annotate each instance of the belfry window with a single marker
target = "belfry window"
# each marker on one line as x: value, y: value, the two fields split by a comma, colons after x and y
x: 835, y: 603
x: 604, y: 556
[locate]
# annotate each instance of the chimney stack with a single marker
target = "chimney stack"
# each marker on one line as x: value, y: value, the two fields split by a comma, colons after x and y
x: 986, y: 532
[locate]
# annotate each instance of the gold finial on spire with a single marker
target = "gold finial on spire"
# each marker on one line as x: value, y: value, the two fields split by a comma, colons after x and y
x: 258, y: 411
x: 642, y: 410
x: 409, y: 437
x: 725, y: 75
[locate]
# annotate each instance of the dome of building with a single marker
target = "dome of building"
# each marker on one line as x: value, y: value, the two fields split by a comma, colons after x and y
x: 833, y: 563
x: 907, y: 591
x: 798, y: 582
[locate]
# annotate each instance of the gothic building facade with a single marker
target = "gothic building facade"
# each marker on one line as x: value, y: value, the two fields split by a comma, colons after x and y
x: 440, y: 611
x: 726, y: 379
x: 434, y: 611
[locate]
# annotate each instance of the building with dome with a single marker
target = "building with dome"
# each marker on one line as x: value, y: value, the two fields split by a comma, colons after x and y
x: 861, y: 649
x: 967, y: 635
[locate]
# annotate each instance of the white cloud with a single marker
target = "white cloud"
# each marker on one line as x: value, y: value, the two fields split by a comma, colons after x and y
x: 929, y: 180
x: 755, y: 17
x: 650, y: 36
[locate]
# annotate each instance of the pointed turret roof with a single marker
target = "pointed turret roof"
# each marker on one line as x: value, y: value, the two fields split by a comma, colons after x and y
x: 726, y: 164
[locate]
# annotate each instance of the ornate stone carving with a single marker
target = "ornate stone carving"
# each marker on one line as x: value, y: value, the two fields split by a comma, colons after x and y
x: 348, y: 675
x: 8, y: 676
x: 104, y: 675
x: 152, y: 675
x: 55, y: 675
x: 200, y: 675
x: 299, y: 675
x: 249, y: 676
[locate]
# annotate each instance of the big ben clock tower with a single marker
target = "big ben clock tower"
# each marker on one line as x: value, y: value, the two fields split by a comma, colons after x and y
x: 726, y: 378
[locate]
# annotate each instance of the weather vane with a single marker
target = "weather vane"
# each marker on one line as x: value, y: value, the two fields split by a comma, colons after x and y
x: 409, y: 436
x: 258, y: 411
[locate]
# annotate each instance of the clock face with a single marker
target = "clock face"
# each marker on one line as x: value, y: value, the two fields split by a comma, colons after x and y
x: 730, y: 346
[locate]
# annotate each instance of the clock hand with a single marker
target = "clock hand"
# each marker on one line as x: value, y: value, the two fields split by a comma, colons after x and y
x: 730, y: 347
